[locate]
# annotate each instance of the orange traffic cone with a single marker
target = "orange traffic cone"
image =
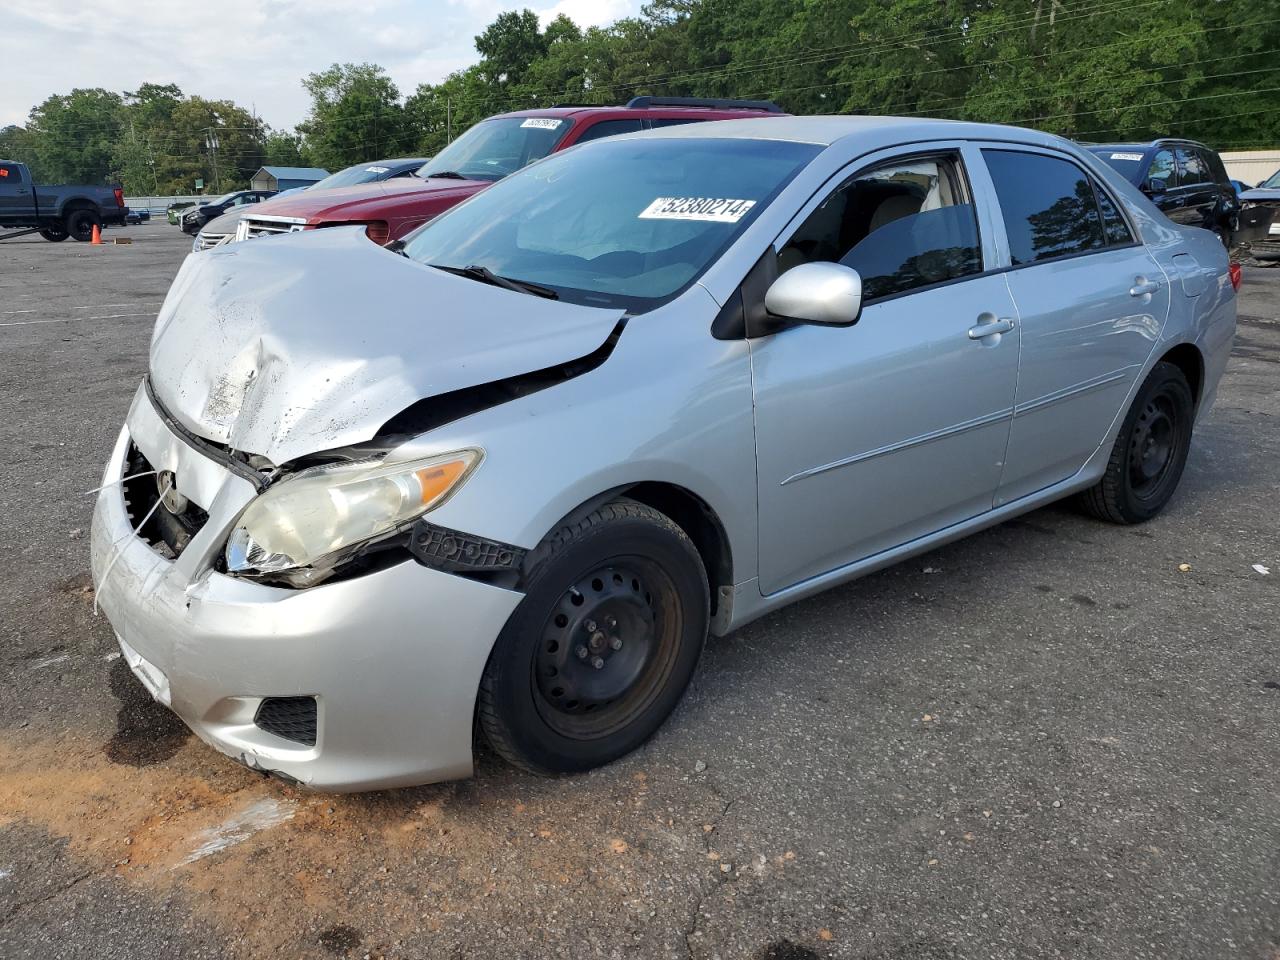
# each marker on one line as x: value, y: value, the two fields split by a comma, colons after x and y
x: 97, y: 236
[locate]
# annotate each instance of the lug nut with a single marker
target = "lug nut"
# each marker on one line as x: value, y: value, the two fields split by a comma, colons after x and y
x: 591, y: 626
x: 617, y: 643
x: 581, y: 652
x: 597, y: 662
x: 612, y: 622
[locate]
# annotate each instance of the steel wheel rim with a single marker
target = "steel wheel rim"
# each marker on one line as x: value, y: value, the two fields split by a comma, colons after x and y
x: 1153, y: 445
x: 606, y: 648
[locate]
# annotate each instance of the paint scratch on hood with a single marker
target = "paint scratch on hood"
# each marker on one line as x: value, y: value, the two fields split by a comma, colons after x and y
x: 258, y: 816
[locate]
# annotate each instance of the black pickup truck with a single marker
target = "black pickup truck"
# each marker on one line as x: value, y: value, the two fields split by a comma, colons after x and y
x: 56, y: 212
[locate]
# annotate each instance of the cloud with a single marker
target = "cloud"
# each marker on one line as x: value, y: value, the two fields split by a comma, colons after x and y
x: 255, y: 52
x: 589, y: 13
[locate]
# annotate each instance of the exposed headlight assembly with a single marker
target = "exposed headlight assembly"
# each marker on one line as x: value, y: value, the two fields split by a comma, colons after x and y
x: 300, y: 529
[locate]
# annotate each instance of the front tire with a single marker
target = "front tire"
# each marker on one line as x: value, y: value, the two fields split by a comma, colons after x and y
x: 54, y: 234
x: 600, y: 650
x: 1150, y: 452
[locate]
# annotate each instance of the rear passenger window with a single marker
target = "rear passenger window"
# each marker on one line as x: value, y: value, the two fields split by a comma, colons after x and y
x: 1048, y: 206
x: 1162, y: 168
x: 10, y: 174
x: 1194, y: 169
x: 1113, y: 223
x: 609, y: 128
x: 905, y: 225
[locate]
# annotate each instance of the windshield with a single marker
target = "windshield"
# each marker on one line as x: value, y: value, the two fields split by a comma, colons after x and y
x: 616, y: 222
x: 360, y: 173
x: 494, y: 148
x: 1272, y: 182
x: 222, y: 199
x: 1124, y: 162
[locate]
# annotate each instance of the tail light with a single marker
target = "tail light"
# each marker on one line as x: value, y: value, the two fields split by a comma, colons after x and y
x: 119, y: 192
x: 378, y: 231
x: 1236, y: 276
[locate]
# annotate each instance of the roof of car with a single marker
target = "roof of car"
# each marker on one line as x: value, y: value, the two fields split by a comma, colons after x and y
x: 649, y: 106
x: 1145, y: 144
x: 826, y: 130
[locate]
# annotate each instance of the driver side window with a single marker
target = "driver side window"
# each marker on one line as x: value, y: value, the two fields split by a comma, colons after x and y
x: 903, y: 225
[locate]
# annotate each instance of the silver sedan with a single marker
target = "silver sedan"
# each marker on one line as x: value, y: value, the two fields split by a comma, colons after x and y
x: 512, y: 473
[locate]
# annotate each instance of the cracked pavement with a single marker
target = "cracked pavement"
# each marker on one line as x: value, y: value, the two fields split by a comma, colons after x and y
x: 1046, y: 740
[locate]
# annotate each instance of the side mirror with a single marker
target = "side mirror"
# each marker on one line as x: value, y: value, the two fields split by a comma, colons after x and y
x: 1154, y: 186
x: 822, y: 293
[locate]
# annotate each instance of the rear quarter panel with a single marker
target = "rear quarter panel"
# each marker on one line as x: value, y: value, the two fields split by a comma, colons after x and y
x: 1202, y: 303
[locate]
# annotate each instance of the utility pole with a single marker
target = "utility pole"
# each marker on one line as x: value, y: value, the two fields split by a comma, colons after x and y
x: 211, y: 141
x: 133, y: 135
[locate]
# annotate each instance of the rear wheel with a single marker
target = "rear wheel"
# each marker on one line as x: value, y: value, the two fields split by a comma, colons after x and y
x: 1150, y: 451
x: 600, y: 650
x: 80, y: 224
x: 54, y: 234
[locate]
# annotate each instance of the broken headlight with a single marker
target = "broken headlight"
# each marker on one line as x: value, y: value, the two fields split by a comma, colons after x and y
x: 318, y: 517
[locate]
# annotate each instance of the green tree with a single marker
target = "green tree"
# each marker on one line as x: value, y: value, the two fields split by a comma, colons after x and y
x: 284, y: 148
x: 16, y: 144
x: 74, y: 134
x: 355, y: 115
x: 509, y: 46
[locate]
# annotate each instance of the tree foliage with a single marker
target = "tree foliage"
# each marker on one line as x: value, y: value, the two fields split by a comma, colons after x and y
x: 1090, y: 69
x: 356, y: 115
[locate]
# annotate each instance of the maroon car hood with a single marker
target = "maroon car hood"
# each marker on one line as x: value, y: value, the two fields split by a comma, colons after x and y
x: 391, y: 199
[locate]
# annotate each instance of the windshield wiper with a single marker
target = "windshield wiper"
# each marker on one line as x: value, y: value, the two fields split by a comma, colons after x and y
x: 446, y: 175
x: 485, y: 275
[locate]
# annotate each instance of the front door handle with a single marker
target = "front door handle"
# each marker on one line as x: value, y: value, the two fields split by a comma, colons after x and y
x: 1143, y: 287
x: 990, y: 328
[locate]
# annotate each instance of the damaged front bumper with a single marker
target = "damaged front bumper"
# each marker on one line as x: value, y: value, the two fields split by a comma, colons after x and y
x: 364, y: 683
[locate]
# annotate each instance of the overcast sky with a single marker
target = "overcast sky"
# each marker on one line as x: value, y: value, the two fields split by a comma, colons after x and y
x: 254, y: 52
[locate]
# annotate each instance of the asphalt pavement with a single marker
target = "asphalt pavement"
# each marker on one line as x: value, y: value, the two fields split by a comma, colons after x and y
x: 1057, y: 738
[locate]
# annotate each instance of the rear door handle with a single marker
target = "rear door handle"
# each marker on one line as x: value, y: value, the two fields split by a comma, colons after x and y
x: 990, y: 328
x: 1142, y: 287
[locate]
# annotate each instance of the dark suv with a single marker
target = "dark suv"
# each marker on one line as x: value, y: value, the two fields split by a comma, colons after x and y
x: 1188, y: 181
x: 193, y: 219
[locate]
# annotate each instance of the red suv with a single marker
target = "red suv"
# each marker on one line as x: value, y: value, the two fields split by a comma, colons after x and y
x: 483, y: 155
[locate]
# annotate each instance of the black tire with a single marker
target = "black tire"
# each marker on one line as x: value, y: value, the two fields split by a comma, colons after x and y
x: 1150, y: 451
x: 80, y: 224
x: 54, y: 234
x: 601, y: 648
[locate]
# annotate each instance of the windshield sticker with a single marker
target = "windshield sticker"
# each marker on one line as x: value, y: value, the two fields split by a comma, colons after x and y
x: 542, y: 123
x: 710, y: 209
x: 1127, y: 156
x: 376, y: 169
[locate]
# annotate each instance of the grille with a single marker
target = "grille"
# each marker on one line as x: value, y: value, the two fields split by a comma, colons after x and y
x: 253, y: 227
x: 169, y: 526
x: 206, y: 240
x: 291, y: 718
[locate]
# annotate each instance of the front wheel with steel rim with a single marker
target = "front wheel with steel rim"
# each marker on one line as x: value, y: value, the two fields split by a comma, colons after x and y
x: 603, y: 645
x: 1149, y: 453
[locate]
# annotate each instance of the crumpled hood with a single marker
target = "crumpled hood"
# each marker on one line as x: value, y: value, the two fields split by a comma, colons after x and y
x: 313, y: 341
